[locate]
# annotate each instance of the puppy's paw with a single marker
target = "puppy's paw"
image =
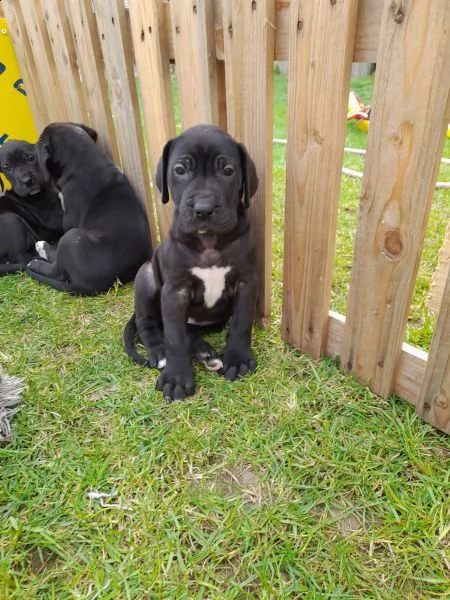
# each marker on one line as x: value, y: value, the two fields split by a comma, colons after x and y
x: 42, y: 249
x: 205, y: 353
x: 33, y: 265
x: 237, y: 363
x: 157, y: 356
x: 176, y: 384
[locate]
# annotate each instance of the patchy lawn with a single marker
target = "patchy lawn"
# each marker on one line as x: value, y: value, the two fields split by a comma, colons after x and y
x: 294, y: 482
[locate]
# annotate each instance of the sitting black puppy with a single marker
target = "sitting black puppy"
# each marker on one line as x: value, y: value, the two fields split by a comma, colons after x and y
x: 106, y: 235
x: 202, y: 275
x: 29, y: 212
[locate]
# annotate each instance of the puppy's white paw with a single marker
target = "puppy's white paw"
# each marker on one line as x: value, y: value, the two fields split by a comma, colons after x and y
x: 41, y: 249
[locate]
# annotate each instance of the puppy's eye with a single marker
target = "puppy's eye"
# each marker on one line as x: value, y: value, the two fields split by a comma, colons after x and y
x: 29, y: 158
x: 228, y: 171
x: 5, y: 167
x: 179, y: 169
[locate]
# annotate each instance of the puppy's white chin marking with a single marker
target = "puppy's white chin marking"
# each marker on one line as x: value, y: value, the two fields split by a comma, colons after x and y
x: 214, y: 281
x: 40, y: 249
x: 161, y: 363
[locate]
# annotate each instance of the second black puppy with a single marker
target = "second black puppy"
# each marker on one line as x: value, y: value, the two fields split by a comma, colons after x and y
x: 203, y: 274
x: 29, y: 212
x: 107, y: 235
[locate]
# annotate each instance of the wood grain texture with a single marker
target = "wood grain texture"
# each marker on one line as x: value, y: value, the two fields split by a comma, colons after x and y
x: 411, y: 366
x: 27, y: 64
x: 49, y: 91
x: 440, y: 275
x: 322, y: 38
x: 366, y: 40
x: 248, y: 46
x: 118, y: 60
x: 404, y: 145
x: 90, y: 64
x: 147, y: 21
x: 434, y: 401
x: 67, y: 73
x: 195, y: 58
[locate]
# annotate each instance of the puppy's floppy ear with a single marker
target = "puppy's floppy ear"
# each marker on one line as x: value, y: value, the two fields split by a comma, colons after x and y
x: 43, y: 152
x: 161, y: 172
x: 249, y: 175
x: 91, y: 132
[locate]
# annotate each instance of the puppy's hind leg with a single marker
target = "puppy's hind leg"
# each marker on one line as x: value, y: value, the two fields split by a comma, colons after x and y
x: 147, y: 305
x: 45, y: 251
x: 205, y: 353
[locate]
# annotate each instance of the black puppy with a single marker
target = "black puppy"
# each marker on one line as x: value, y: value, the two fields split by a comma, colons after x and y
x: 203, y: 274
x: 29, y: 212
x: 107, y: 234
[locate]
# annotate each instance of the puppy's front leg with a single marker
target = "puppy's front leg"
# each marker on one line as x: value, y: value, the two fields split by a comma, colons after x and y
x: 176, y: 381
x: 238, y: 358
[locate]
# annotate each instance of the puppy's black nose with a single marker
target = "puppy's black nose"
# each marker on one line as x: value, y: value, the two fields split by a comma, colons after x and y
x: 203, y: 209
x: 25, y: 179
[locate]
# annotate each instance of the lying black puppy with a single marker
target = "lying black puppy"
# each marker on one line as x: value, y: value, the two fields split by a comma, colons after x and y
x: 29, y: 212
x: 107, y: 234
x: 203, y: 274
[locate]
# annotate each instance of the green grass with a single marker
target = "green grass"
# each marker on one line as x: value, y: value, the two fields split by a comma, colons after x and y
x: 295, y: 482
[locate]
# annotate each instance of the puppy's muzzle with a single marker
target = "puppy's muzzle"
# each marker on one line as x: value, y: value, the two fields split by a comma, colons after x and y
x: 204, y: 208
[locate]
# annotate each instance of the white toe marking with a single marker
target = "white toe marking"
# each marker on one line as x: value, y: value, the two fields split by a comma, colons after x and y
x: 213, y: 364
x: 161, y: 363
x: 61, y: 199
x: 214, y: 281
x: 40, y: 249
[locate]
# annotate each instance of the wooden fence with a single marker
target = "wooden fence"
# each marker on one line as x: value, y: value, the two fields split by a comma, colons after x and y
x: 80, y: 59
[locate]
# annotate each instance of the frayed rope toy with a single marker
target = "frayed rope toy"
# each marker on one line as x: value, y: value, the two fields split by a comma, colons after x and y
x: 11, y: 389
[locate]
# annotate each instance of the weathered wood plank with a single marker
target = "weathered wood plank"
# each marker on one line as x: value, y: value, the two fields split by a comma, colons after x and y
x: 440, y: 275
x: 43, y: 58
x: 118, y: 60
x: 249, y: 40
x: 25, y: 58
x: 195, y: 59
x: 90, y: 65
x: 434, y: 401
x: 147, y: 20
x: 366, y: 38
x: 405, y: 140
x: 411, y: 366
x: 322, y: 38
x: 67, y: 73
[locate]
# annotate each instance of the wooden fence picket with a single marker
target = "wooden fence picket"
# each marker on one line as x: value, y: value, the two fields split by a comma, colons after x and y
x: 148, y: 25
x: 118, y: 60
x: 195, y: 58
x: 321, y: 50
x: 405, y: 143
x: 249, y: 51
x: 66, y: 67
x: 434, y: 401
x: 89, y: 60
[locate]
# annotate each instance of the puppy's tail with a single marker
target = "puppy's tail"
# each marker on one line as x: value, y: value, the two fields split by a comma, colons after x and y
x: 129, y: 339
x: 62, y: 286
x: 9, y: 268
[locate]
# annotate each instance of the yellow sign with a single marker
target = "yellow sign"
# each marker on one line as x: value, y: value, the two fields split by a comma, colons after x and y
x: 16, y: 120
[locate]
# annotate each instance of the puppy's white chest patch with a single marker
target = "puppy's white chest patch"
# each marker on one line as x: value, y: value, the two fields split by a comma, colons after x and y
x: 214, y: 281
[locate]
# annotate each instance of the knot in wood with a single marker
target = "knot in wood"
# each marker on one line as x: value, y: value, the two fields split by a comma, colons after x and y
x: 441, y: 400
x: 393, y: 245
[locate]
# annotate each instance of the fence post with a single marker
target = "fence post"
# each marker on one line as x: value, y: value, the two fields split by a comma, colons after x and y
x: 321, y: 40
x: 195, y: 58
x: 249, y: 54
x: 148, y: 28
x: 118, y: 60
x: 434, y: 400
x: 405, y: 142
